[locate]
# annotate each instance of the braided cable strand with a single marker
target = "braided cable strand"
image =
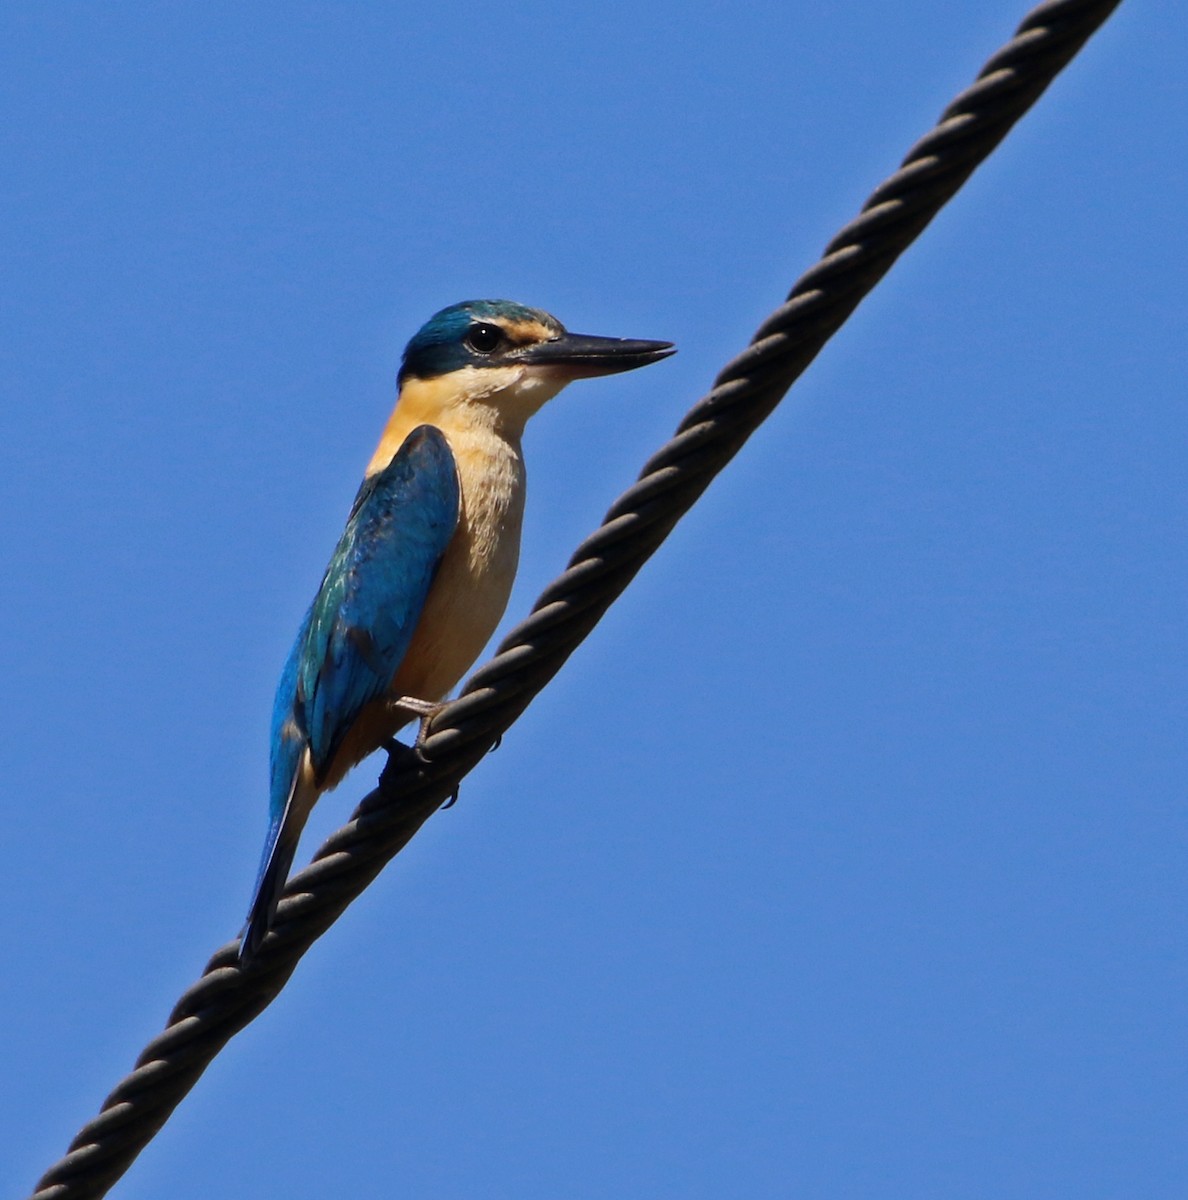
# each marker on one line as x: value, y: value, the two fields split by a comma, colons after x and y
x: 413, y: 786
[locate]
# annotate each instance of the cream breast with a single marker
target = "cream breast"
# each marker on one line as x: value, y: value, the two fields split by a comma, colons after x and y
x: 482, y: 415
x: 472, y: 585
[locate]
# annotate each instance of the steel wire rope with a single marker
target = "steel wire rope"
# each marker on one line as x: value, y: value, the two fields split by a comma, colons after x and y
x: 414, y: 785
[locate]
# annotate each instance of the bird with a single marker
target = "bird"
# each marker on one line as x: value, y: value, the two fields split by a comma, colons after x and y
x: 422, y: 572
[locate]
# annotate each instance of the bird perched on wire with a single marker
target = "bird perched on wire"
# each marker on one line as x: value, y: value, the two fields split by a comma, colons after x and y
x: 423, y: 570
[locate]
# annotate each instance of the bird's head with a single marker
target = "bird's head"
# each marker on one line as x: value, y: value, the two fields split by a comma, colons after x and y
x: 508, y: 359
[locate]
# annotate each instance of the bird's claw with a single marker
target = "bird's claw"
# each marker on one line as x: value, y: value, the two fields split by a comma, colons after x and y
x: 425, y: 710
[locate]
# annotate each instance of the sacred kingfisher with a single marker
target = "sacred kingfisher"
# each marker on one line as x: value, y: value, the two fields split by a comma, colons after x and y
x: 423, y: 570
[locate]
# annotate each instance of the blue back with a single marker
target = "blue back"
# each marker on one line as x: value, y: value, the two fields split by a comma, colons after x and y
x: 358, y: 629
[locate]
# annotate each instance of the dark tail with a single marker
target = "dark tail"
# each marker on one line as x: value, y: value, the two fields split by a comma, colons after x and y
x: 273, y: 874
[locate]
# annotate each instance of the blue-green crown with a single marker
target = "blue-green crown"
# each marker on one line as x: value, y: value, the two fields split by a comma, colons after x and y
x: 439, y: 346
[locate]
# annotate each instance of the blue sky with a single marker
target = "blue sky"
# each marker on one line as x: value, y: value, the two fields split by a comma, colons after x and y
x: 846, y: 859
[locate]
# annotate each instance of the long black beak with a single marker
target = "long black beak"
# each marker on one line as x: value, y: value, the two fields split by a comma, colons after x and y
x: 580, y: 355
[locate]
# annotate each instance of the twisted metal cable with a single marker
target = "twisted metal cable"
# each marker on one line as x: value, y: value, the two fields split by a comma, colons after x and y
x: 413, y: 786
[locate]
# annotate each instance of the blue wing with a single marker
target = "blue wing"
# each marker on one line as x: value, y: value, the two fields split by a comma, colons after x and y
x: 355, y: 635
x: 374, y: 589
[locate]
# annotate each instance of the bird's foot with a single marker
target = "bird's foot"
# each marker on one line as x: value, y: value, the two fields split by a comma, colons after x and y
x: 425, y: 710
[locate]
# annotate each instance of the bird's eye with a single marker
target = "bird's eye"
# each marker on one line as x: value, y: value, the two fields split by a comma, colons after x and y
x: 484, y: 338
